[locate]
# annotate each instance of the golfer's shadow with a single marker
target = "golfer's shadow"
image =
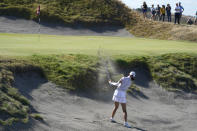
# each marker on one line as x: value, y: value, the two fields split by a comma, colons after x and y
x: 132, y: 127
x: 139, y: 129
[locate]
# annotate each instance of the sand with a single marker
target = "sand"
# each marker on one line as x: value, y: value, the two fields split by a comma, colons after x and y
x: 16, y: 25
x: 154, y: 109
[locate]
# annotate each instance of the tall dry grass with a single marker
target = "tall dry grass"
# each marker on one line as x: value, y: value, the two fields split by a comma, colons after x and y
x: 184, y: 32
x: 147, y: 28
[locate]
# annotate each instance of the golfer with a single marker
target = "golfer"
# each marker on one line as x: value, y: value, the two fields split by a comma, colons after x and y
x: 120, y: 95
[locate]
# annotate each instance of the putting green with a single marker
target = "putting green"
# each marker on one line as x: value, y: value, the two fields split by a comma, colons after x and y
x: 29, y: 44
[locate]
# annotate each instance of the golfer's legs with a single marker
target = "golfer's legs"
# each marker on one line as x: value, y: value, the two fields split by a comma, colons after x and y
x: 116, y: 105
x: 124, y: 109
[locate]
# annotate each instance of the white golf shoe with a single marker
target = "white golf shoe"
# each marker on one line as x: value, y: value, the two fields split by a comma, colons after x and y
x: 112, y: 120
x: 127, y: 125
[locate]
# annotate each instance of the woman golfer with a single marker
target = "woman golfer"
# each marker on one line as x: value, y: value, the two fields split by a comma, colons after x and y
x: 120, y: 95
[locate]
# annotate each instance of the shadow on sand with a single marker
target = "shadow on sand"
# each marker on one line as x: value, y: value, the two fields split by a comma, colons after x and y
x: 26, y: 83
x: 19, y: 25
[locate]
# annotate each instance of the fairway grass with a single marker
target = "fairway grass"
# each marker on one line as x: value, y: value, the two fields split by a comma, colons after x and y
x: 30, y: 44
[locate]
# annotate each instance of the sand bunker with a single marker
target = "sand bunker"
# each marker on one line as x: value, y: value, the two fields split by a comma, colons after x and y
x: 155, y: 110
x: 15, y: 25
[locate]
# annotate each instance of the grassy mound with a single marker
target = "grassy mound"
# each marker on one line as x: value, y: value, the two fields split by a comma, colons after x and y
x: 70, y: 12
x: 78, y: 72
x: 172, y: 71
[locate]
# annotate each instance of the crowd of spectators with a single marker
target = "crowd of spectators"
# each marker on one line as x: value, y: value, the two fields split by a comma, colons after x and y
x: 159, y: 13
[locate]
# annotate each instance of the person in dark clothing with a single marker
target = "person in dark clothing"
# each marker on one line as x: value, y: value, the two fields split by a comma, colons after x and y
x: 177, y: 14
x: 168, y: 10
x: 153, y: 12
x: 163, y: 12
x: 182, y: 9
x: 158, y: 15
x: 144, y: 9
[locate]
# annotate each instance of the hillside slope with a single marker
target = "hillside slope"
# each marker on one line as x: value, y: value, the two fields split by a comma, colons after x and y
x: 95, y: 13
x: 161, y: 30
x: 71, y: 12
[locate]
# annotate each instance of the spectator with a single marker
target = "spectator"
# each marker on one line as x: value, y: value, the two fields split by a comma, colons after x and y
x: 163, y: 12
x: 168, y: 10
x: 158, y: 15
x: 144, y: 9
x: 153, y: 12
x: 177, y: 13
x: 182, y: 9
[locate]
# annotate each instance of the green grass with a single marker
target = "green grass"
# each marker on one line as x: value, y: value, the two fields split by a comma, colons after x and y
x: 28, y: 44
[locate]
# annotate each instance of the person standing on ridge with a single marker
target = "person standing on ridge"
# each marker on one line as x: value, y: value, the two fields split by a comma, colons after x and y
x: 177, y: 13
x: 119, y: 96
x: 182, y: 9
x: 144, y: 9
x: 153, y: 12
x: 163, y: 12
x: 158, y: 15
x: 168, y: 10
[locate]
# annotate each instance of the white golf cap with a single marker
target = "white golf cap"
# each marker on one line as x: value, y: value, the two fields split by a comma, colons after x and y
x: 132, y: 73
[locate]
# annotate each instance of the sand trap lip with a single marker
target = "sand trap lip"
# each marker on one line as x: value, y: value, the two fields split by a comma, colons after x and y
x: 16, y: 25
x: 160, y: 110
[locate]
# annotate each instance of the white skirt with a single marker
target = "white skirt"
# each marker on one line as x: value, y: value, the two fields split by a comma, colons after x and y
x: 119, y: 96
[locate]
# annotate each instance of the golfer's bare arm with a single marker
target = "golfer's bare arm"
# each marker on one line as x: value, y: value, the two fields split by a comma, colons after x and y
x: 120, y: 81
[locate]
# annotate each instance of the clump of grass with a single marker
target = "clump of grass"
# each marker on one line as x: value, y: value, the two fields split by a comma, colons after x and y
x: 69, y: 71
x: 37, y: 117
x: 133, y: 88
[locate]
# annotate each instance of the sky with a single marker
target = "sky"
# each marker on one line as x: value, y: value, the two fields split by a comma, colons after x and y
x: 189, y: 5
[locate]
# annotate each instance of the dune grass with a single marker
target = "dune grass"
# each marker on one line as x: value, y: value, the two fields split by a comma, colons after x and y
x: 147, y: 28
x: 28, y: 44
x: 86, y: 12
x: 175, y: 72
